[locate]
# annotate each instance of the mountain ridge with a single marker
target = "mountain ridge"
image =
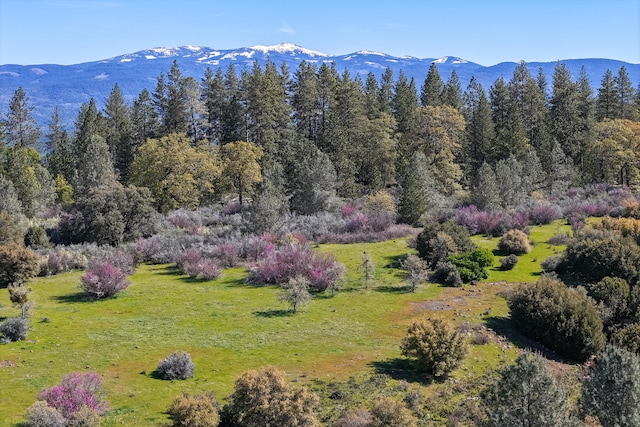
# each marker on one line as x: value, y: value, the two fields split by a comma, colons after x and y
x: 68, y: 86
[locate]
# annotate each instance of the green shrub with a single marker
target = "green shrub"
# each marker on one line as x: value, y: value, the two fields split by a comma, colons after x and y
x: 17, y: 264
x: 472, y: 265
x: 514, y: 242
x: 628, y: 337
x: 593, y: 259
x: 436, y: 347
x: 387, y: 412
x: 432, y: 238
x: 177, y: 366
x: 508, y: 262
x: 200, y: 410
x: 564, y: 319
x: 36, y: 236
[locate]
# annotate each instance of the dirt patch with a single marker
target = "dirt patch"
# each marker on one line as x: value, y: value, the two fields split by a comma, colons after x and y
x: 6, y: 363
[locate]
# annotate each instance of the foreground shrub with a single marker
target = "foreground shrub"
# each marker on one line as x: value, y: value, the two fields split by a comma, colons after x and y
x: 40, y: 414
x: 611, y: 391
x: 354, y: 418
x: 436, y: 347
x: 564, y: 319
x: 177, y: 366
x: 14, y: 329
x: 263, y: 398
x: 593, y: 259
x: 386, y: 411
x: 514, y: 242
x: 526, y: 394
x: 200, y: 410
x: 17, y: 264
x: 447, y: 273
x: 508, y: 262
x: 204, y: 268
x: 75, y: 392
x: 103, y: 280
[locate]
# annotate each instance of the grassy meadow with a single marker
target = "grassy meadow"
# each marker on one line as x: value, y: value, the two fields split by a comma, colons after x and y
x: 229, y: 326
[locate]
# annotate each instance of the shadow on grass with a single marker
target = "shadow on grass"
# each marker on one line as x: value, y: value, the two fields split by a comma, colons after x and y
x: 401, y: 369
x: 74, y: 298
x: 390, y: 289
x: 394, y: 261
x: 274, y: 313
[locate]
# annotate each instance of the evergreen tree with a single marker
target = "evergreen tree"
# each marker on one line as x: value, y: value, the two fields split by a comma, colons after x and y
x: 606, y: 101
x: 485, y: 193
x: 304, y: 101
x: 195, y: 108
x: 385, y: 94
x: 95, y: 167
x: 509, y: 182
x: 233, y: 116
x: 413, y: 198
x: 90, y: 123
x: 31, y: 181
x: 213, y: 97
x: 144, y: 120
x: 527, y: 395
x: 170, y: 102
x: 269, y: 205
x: 328, y: 79
x: 377, y: 152
x: 559, y: 176
x: 372, y: 100
x: 59, y: 158
x: 511, y: 136
x: 566, y: 126
x: 612, y: 390
x: 586, y: 116
x: 452, y: 92
x: 479, y: 130
x: 624, y: 95
x: 533, y: 174
x: 432, y: 89
x: 119, y: 134
x: 20, y: 128
x: 314, y: 181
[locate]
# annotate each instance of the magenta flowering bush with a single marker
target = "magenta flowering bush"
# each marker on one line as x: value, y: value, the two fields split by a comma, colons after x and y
x: 293, y: 260
x: 228, y: 253
x: 75, y: 392
x: 102, y: 279
x: 204, y: 268
x: 544, y: 214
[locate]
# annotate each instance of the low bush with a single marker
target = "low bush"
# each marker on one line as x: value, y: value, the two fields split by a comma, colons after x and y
x: 430, y: 239
x: 36, y: 236
x: 434, y: 344
x: 177, y: 366
x: 544, y: 214
x: 386, y: 411
x: 61, y: 261
x: 514, y: 242
x: 562, y: 318
x: 447, y: 273
x: 17, y: 264
x: 204, y: 268
x: 508, y: 262
x: 102, y: 279
x: 41, y: 414
x: 75, y: 392
x: 14, y: 329
x: 473, y: 265
x: 553, y: 264
x: 199, y: 410
x: 228, y: 253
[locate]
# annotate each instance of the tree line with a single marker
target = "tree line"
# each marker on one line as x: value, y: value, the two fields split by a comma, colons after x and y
x: 302, y: 137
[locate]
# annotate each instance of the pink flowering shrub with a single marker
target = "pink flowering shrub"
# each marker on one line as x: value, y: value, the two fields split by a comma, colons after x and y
x: 144, y: 250
x: 75, y: 392
x: 298, y: 260
x: 349, y: 209
x: 204, y: 268
x: 544, y: 214
x: 257, y: 248
x: 102, y: 279
x: 228, y: 253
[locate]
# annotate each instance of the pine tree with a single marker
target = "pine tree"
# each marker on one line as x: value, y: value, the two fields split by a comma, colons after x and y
x: 20, y: 128
x: 385, y: 94
x: 372, y: 100
x: 195, y: 109
x: 479, y: 131
x: 565, y: 116
x: 119, y: 134
x: 328, y: 79
x: 607, y: 98
x: 612, y: 390
x: 527, y: 395
x: 59, y: 158
x: 586, y: 115
x: 313, y: 180
x: 559, y: 176
x: 413, y: 198
x: 233, y: 128
x: 213, y: 96
x: 90, y: 123
x: 484, y: 193
x: 624, y: 95
x: 95, y: 167
x: 304, y: 101
x: 452, y: 92
x: 144, y: 120
x: 509, y: 182
x: 533, y: 174
x: 432, y: 89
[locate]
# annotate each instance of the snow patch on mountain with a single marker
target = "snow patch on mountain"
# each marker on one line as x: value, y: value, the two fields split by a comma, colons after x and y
x: 39, y: 71
x: 287, y: 48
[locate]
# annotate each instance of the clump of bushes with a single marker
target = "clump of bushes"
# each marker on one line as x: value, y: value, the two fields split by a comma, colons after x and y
x: 473, y: 265
x: 447, y: 273
x: 562, y: 318
x: 77, y: 398
x: 293, y: 260
x: 17, y: 264
x: 435, y: 346
x: 176, y: 366
x: 14, y: 329
x: 199, y: 410
x: 544, y: 214
x: 508, y: 262
x: 437, y: 241
x: 514, y: 242
x: 102, y: 279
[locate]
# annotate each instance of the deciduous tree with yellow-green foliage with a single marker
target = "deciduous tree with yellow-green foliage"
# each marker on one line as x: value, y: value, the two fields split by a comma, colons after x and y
x: 241, y: 167
x: 178, y: 174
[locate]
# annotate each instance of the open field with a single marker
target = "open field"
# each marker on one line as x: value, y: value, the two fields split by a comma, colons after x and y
x: 229, y: 326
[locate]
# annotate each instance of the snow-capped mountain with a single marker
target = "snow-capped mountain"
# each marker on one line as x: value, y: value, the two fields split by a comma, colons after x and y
x: 68, y: 86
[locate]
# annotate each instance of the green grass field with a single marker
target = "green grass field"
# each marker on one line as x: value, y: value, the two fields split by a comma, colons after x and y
x: 229, y: 327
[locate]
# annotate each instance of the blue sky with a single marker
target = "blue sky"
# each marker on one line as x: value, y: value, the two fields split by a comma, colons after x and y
x: 486, y: 32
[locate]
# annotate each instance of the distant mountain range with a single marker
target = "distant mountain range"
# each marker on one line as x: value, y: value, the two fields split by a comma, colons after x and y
x: 68, y: 86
